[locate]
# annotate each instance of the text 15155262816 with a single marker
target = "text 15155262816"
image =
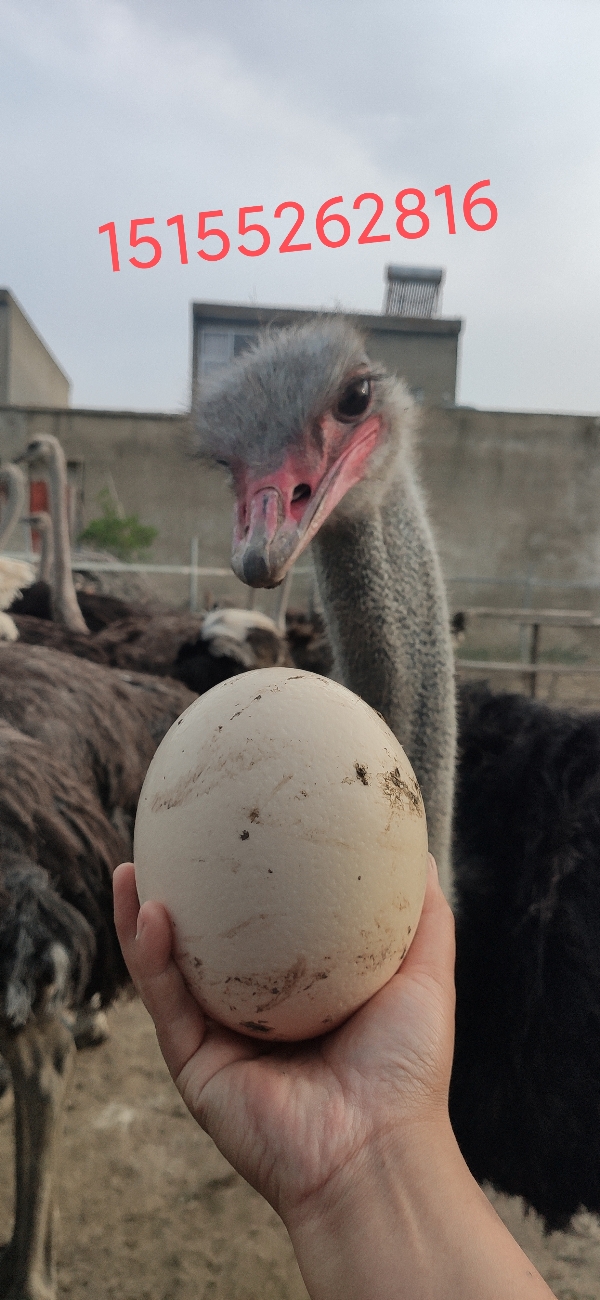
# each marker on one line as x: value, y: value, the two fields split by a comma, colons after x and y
x: 260, y: 238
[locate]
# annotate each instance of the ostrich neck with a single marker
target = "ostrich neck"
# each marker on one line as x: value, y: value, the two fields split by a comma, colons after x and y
x: 14, y: 479
x: 65, y: 609
x: 45, y: 570
x: 385, y: 607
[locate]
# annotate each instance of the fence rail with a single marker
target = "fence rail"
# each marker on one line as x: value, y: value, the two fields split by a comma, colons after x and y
x: 115, y: 566
x: 194, y: 571
x: 584, y: 584
x: 530, y: 665
x: 79, y: 562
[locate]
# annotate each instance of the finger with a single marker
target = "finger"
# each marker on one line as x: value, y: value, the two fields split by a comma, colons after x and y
x: 126, y: 901
x: 433, y: 948
x: 221, y: 1048
x: 147, y: 949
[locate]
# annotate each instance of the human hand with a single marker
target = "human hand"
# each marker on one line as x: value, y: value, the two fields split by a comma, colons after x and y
x: 295, y: 1118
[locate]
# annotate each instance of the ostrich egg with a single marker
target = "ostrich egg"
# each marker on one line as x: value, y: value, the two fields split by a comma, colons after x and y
x: 282, y: 826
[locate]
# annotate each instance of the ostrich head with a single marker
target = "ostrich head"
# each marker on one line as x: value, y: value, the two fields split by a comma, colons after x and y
x: 306, y: 425
x: 41, y: 450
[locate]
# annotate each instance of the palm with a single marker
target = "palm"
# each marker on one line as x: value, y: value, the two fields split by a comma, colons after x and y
x: 290, y: 1116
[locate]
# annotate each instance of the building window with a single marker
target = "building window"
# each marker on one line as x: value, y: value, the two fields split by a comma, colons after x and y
x: 216, y: 348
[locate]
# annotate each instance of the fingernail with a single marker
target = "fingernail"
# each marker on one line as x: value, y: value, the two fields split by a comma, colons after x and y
x: 141, y: 922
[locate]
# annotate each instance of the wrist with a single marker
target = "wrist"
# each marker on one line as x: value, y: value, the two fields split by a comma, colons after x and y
x: 374, y: 1219
x: 408, y: 1220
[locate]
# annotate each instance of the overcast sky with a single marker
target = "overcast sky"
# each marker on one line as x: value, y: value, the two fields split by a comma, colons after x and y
x: 120, y: 109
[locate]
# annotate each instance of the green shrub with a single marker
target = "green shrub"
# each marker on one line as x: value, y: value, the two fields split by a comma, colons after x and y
x: 126, y: 537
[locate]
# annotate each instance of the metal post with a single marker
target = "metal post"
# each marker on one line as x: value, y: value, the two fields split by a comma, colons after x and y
x: 194, y: 550
x: 533, y: 656
x: 282, y: 601
x: 526, y: 604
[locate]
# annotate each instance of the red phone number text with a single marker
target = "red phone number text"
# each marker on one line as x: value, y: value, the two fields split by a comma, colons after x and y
x: 324, y: 220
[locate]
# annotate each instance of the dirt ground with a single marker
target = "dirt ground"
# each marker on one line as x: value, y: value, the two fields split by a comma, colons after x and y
x: 149, y: 1209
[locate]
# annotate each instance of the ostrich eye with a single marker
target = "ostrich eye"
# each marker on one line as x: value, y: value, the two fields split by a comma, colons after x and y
x: 354, y: 400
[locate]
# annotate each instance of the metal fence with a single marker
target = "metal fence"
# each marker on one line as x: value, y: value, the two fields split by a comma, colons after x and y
x: 193, y: 570
x: 527, y: 584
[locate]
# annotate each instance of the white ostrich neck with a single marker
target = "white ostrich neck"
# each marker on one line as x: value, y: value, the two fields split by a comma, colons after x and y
x: 46, y: 566
x: 386, y: 612
x: 65, y: 609
x: 13, y: 479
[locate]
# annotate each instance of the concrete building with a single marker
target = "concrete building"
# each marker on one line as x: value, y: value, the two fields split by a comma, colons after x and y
x: 423, y: 350
x: 29, y: 374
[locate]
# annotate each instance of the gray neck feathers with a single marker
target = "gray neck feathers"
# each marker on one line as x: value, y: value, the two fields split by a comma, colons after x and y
x: 385, y: 607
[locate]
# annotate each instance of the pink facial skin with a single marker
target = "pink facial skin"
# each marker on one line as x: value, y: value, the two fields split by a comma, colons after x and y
x: 278, y: 513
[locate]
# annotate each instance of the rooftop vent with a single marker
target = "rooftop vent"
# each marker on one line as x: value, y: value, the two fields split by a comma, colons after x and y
x: 413, y: 290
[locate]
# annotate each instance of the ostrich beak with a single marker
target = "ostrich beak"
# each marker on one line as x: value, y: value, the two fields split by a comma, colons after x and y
x: 33, y: 451
x: 277, y: 513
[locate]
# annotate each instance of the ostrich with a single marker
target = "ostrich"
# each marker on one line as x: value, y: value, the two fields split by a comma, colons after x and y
x: 65, y: 608
x: 57, y: 853
x: 75, y: 743
x: 13, y: 574
x: 76, y: 739
x: 199, y: 651
x: 318, y: 444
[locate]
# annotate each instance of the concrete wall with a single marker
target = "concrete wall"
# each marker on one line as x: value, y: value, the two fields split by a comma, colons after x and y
x: 514, y: 495
x: 510, y: 495
x: 424, y: 351
x: 29, y: 374
x: 155, y: 477
x: 428, y: 362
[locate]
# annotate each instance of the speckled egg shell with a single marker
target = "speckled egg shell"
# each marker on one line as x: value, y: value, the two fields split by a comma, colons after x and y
x: 282, y: 826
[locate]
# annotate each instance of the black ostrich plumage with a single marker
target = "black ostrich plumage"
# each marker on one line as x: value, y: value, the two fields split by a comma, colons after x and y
x: 525, y: 1097
x: 75, y: 743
